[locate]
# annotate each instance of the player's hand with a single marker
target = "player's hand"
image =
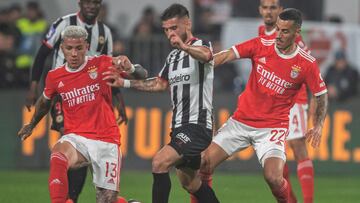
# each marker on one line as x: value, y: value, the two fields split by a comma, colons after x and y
x: 122, y: 118
x: 177, y: 42
x: 31, y: 96
x: 313, y: 136
x: 113, y: 78
x: 25, y: 131
x: 122, y: 63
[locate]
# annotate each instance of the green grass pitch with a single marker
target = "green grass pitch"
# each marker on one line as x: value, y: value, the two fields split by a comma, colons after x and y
x: 31, y: 187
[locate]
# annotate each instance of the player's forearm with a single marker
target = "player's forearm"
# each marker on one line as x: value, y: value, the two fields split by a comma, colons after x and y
x: 199, y: 53
x: 321, y: 109
x: 150, y: 85
x: 42, y: 107
x: 223, y: 57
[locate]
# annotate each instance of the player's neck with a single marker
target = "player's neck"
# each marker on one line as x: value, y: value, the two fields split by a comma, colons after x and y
x: 269, y: 28
x: 289, y: 49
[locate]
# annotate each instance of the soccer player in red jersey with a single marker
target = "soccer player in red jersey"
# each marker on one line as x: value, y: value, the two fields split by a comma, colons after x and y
x: 91, y: 134
x: 280, y: 68
x: 269, y: 10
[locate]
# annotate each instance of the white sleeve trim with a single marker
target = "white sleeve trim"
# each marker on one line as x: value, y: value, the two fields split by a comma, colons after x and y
x: 236, y: 52
x: 321, y: 93
x: 46, y: 97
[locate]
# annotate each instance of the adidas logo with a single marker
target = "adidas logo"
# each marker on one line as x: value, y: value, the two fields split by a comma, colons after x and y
x: 56, y: 181
x: 111, y: 181
x: 262, y: 60
x: 61, y: 84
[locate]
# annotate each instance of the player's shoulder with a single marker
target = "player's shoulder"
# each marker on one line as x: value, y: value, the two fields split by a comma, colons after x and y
x: 57, y: 71
x: 266, y: 40
x: 306, y: 56
x: 200, y: 42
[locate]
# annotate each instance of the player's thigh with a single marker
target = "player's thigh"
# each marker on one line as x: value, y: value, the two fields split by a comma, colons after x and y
x: 297, y: 121
x: 269, y: 142
x: 189, y: 141
x: 67, y: 147
x: 105, y: 195
x: 165, y: 158
x: 105, y: 161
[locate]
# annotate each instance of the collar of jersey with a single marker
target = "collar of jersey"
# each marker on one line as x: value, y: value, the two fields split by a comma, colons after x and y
x: 269, y: 33
x: 68, y: 69
x: 285, y: 56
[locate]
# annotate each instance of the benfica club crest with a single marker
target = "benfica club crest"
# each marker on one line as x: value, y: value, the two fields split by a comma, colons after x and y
x: 295, y: 71
x: 93, y: 72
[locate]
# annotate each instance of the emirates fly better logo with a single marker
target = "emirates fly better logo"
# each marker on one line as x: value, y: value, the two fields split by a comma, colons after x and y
x: 271, y: 81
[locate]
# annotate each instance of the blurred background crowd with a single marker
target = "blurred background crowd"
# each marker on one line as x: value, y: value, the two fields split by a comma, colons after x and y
x: 23, y: 25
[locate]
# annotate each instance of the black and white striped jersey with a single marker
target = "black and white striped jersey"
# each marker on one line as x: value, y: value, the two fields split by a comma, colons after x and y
x: 99, y: 37
x: 191, y: 87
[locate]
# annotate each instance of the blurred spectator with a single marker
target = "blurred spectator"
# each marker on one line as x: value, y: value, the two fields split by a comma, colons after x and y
x: 32, y: 28
x: 341, y: 79
x: 148, y: 24
x: 14, y: 13
x: 7, y: 55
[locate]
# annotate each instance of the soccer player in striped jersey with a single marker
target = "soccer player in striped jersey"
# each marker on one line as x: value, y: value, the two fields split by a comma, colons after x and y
x: 100, y: 42
x: 279, y: 69
x: 188, y: 73
x: 269, y: 10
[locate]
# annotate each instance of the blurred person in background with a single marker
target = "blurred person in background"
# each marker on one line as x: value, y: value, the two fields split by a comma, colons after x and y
x: 32, y: 27
x: 279, y: 70
x: 91, y: 134
x: 7, y: 55
x: 100, y: 42
x: 148, y: 23
x: 188, y: 74
x: 341, y: 79
x: 269, y: 11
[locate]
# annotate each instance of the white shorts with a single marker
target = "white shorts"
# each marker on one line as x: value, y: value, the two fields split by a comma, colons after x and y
x: 235, y: 136
x: 104, y: 158
x: 297, y: 121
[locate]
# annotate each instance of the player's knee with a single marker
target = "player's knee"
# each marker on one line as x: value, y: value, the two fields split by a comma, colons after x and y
x: 192, y: 186
x: 159, y: 165
x: 273, y: 179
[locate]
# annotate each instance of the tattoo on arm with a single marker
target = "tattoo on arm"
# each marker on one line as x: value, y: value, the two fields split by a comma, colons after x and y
x: 42, y: 107
x: 321, y: 109
x: 152, y: 84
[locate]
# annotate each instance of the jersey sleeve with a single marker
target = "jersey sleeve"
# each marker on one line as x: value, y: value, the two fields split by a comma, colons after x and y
x: 164, y: 73
x: 315, y: 81
x: 54, y: 32
x: 246, y: 49
x: 50, y: 88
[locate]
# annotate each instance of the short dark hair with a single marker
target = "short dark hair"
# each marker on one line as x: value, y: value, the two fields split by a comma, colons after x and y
x: 175, y: 10
x: 291, y: 14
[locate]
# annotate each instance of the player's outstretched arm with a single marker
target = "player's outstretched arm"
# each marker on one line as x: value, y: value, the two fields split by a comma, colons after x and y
x: 224, y: 56
x: 134, y: 71
x: 42, y: 107
x: 314, y: 134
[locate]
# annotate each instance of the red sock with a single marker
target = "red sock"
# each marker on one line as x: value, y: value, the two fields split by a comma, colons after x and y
x: 206, y: 178
x: 58, y: 181
x: 292, y: 197
x: 282, y: 194
x: 305, y: 171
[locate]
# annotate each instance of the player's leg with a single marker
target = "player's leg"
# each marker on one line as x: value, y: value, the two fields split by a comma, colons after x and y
x: 63, y: 156
x: 76, y: 178
x: 296, y: 141
x: 161, y: 164
x: 205, y: 178
x: 273, y: 174
x: 105, y: 195
x: 286, y: 174
x: 305, y: 169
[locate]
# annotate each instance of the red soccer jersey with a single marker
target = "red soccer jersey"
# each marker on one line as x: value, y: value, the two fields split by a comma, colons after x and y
x: 301, y: 97
x: 274, y: 82
x: 86, y: 99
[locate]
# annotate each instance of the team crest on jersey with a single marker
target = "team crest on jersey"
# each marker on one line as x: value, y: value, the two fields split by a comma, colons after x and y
x: 295, y: 71
x: 92, y: 70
